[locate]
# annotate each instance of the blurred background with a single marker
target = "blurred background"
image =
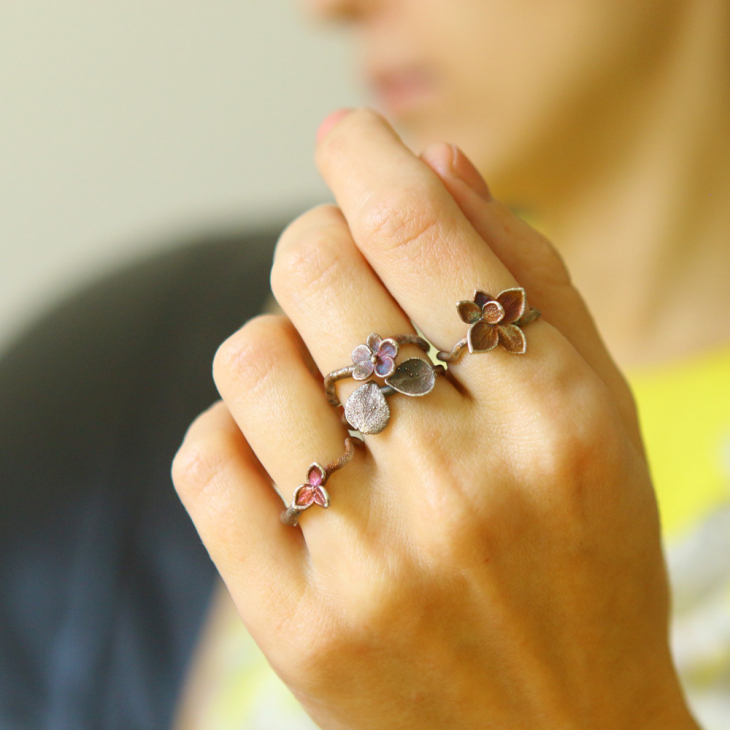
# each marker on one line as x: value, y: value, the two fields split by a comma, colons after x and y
x: 130, y: 125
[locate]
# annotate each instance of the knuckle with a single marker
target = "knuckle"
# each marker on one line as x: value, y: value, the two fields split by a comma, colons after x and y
x: 199, y: 463
x: 323, y: 653
x: 462, y: 541
x: 367, y: 116
x: 402, y: 221
x: 252, y: 354
x: 311, y: 265
x: 358, y: 630
x: 313, y: 657
x: 357, y: 126
x: 579, y: 444
x: 546, y: 261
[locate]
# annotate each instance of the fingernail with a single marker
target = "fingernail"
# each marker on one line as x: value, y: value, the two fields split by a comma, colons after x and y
x: 465, y: 170
x: 448, y: 159
x: 326, y: 127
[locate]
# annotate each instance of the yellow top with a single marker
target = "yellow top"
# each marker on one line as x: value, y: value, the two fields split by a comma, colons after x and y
x: 684, y: 410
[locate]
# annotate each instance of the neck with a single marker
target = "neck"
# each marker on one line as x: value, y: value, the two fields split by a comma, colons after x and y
x: 647, y: 239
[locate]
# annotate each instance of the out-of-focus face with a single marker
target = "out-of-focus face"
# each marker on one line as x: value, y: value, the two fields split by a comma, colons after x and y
x: 523, y: 86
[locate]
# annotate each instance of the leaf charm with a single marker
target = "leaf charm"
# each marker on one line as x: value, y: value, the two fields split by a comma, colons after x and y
x: 413, y: 377
x: 367, y: 410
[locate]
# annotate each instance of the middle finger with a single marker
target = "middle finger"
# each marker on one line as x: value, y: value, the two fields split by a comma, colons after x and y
x: 418, y: 241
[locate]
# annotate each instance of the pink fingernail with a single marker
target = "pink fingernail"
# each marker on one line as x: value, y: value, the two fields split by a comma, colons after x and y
x: 326, y: 127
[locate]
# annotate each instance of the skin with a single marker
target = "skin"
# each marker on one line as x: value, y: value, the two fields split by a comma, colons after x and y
x: 533, y: 614
x: 519, y: 514
x: 609, y: 122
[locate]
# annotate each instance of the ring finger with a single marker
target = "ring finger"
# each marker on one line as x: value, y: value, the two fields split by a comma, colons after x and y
x: 278, y: 403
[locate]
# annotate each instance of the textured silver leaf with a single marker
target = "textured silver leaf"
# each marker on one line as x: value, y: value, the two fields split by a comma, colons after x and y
x: 367, y: 410
x: 413, y: 377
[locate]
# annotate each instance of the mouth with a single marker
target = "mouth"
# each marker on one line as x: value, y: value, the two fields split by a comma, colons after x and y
x: 402, y: 91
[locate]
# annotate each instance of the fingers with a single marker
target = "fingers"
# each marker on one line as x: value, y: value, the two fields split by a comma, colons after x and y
x: 328, y: 289
x: 335, y: 300
x: 280, y: 406
x: 236, y: 511
x: 425, y: 249
x: 276, y: 401
x: 428, y: 255
x: 407, y: 225
x: 534, y: 262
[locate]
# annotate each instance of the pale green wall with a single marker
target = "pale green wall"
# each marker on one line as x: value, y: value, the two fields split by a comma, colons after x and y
x: 125, y: 122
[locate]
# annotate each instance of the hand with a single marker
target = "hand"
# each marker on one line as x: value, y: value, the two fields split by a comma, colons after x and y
x: 491, y: 559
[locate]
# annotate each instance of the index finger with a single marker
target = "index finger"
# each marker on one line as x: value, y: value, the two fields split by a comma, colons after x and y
x: 407, y: 224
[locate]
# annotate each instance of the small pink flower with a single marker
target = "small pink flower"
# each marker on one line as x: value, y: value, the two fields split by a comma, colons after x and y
x: 313, y: 492
x: 378, y: 357
x: 493, y: 321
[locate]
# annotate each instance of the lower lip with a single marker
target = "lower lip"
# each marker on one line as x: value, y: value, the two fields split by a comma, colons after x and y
x: 405, y: 93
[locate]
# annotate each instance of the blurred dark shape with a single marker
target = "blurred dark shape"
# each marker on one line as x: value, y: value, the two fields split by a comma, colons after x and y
x: 104, y: 582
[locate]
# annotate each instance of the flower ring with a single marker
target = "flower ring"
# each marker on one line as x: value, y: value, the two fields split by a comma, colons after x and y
x: 493, y: 321
x: 312, y: 491
x: 377, y: 356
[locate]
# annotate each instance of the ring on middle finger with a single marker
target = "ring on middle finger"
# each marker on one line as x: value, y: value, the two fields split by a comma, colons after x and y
x: 367, y: 410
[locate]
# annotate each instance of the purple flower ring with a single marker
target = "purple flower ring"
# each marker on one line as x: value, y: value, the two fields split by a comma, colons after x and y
x: 493, y: 321
x: 376, y: 357
x: 366, y: 409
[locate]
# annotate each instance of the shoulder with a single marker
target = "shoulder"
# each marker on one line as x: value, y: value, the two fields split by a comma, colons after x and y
x: 102, y: 570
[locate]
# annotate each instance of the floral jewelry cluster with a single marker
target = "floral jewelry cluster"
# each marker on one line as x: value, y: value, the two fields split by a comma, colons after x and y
x: 492, y: 321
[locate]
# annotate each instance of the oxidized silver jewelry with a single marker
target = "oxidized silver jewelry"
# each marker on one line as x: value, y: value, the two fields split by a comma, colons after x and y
x: 367, y: 410
x: 313, y: 491
x: 493, y: 321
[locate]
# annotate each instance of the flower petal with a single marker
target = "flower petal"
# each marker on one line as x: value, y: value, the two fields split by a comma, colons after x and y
x: 361, y: 353
x: 514, y: 302
x: 469, y: 311
x: 385, y: 366
x: 315, y: 475
x: 363, y: 370
x: 481, y: 298
x: 512, y: 338
x: 482, y: 337
x: 388, y: 348
x: 304, y: 495
x: 373, y: 342
x: 321, y: 497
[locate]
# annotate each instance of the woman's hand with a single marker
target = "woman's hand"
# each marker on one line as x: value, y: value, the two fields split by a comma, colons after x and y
x: 492, y: 559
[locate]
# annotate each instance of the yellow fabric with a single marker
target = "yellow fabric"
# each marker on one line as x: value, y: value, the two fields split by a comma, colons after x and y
x: 684, y: 408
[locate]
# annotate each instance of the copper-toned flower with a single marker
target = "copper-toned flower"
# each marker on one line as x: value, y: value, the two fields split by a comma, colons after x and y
x: 493, y: 321
x: 378, y: 357
x: 313, y: 492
